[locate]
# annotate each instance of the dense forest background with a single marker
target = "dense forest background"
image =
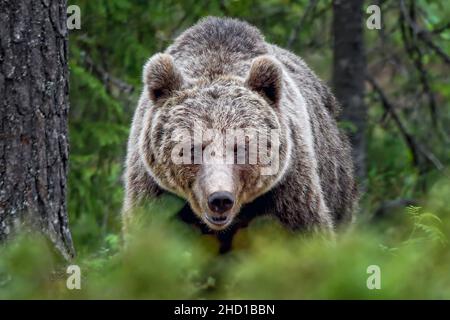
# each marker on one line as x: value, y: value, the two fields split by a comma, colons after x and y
x: 404, y: 219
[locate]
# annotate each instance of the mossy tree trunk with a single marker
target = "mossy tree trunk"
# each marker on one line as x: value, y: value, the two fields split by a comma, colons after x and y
x: 33, y: 120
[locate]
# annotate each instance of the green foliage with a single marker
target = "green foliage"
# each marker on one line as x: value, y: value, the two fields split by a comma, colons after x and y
x: 167, y: 259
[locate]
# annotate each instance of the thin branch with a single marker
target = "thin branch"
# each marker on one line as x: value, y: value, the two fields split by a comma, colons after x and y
x: 423, y: 34
x: 295, y: 32
x: 440, y: 29
x: 415, y: 54
x: 417, y: 149
x: 390, y: 109
x: 387, y: 207
x: 107, y: 78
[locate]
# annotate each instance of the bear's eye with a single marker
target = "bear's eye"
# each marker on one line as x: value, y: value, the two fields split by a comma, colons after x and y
x: 197, y: 147
x: 269, y: 148
x: 193, y: 151
x: 241, y: 153
x: 197, y: 153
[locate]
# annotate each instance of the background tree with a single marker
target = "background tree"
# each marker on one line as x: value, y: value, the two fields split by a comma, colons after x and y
x: 349, y: 69
x: 34, y: 112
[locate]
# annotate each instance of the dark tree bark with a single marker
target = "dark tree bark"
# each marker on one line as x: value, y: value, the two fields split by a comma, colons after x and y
x: 349, y: 69
x: 33, y: 120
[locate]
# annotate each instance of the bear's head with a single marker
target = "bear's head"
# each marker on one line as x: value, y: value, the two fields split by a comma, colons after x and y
x: 217, y: 143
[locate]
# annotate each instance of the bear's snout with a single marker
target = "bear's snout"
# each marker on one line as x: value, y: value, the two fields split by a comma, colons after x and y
x: 216, y: 194
x: 220, y: 202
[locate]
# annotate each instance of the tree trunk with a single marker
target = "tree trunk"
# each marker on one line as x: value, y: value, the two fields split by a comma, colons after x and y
x: 349, y: 69
x: 33, y: 120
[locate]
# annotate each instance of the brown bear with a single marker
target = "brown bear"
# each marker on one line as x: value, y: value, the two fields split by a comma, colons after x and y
x: 218, y: 76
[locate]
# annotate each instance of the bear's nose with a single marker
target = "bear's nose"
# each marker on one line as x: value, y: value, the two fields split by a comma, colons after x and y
x: 221, y: 201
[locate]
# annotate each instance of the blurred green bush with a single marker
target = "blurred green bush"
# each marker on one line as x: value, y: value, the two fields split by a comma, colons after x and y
x: 167, y: 259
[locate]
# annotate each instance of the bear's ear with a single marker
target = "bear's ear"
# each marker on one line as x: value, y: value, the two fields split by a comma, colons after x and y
x: 161, y: 77
x: 265, y: 77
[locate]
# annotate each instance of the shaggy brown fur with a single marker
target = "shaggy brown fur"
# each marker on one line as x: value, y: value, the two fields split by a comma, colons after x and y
x: 221, y: 74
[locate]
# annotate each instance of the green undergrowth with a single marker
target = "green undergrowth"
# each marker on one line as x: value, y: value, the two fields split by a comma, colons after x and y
x: 167, y: 259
